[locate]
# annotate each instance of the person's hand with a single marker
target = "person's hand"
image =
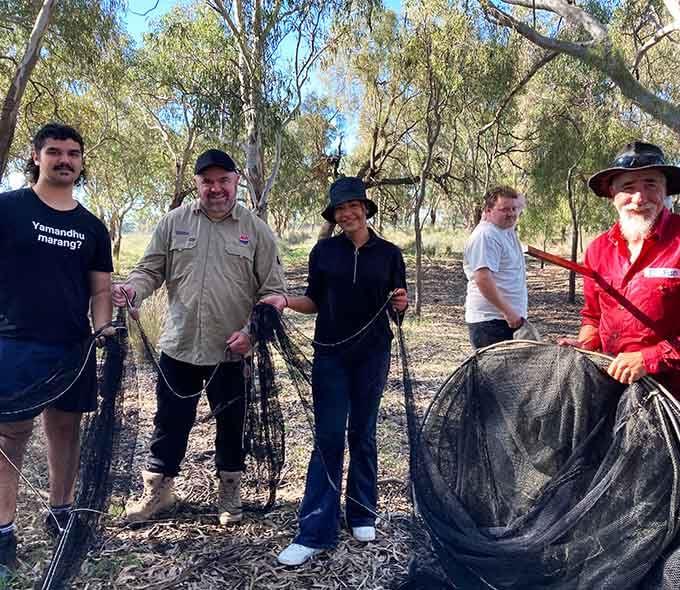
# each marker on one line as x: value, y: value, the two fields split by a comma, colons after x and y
x: 239, y: 343
x: 118, y: 292
x: 107, y: 332
x: 513, y: 319
x: 280, y: 302
x: 627, y: 367
x: 399, y: 299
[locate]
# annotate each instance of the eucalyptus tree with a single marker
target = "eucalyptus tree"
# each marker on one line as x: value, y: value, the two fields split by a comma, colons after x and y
x: 279, y: 44
x: 309, y: 163
x: 124, y: 174
x: 186, y: 81
x: 69, y: 36
x: 632, y: 43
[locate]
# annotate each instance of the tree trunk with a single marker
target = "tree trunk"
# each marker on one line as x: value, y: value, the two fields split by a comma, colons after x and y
x: 10, y: 107
x: 419, y: 258
x: 574, y: 237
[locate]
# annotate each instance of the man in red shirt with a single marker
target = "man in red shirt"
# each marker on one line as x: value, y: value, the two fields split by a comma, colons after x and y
x: 632, y: 310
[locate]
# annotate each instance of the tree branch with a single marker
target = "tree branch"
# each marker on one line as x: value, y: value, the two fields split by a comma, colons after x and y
x: 547, y: 58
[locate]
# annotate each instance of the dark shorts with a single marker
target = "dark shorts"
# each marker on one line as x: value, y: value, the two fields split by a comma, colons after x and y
x: 53, y: 368
x: 490, y: 332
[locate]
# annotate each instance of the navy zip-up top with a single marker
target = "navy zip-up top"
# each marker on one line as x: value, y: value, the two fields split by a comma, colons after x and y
x: 349, y: 285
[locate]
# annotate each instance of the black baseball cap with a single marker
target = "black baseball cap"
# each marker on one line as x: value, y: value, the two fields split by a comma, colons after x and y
x: 212, y: 158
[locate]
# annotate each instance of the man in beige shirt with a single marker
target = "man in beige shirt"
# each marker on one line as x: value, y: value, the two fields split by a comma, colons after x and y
x: 217, y: 259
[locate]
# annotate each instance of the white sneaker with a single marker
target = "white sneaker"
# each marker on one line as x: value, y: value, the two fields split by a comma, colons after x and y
x: 296, y: 554
x: 364, y: 533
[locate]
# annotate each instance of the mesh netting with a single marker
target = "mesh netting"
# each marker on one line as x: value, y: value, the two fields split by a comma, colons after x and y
x: 105, y: 464
x: 535, y: 470
x: 264, y: 424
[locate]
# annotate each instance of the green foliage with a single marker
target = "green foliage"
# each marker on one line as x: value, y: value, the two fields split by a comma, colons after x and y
x: 146, y: 111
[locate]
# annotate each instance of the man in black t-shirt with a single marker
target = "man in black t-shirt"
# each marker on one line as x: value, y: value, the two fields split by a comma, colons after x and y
x: 55, y: 263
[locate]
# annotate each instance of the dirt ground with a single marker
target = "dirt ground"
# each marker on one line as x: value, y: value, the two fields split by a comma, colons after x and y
x: 189, y: 550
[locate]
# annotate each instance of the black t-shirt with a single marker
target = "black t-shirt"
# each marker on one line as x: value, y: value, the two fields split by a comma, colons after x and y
x: 349, y: 286
x: 45, y: 260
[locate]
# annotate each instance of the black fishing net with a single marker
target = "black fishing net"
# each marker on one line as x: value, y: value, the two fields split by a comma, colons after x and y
x: 264, y: 424
x: 99, y: 444
x: 105, y: 464
x: 533, y: 469
x: 265, y: 429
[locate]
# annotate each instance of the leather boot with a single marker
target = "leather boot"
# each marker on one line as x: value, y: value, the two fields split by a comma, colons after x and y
x: 158, y: 497
x: 229, y: 497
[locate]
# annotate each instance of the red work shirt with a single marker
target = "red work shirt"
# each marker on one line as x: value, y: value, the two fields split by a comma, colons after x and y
x: 651, y: 284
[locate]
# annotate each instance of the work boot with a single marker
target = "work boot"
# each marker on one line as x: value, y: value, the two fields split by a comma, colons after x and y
x: 158, y: 497
x: 229, y: 497
x: 8, y: 557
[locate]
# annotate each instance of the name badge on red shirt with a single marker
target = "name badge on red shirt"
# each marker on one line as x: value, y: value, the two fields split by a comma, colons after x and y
x: 662, y: 273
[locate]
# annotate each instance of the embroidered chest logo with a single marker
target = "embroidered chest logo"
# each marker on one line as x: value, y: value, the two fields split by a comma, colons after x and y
x: 662, y: 273
x: 243, y: 238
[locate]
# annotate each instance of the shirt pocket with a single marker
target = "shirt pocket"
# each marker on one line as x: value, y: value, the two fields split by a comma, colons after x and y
x: 238, y: 263
x: 668, y: 292
x: 182, y: 257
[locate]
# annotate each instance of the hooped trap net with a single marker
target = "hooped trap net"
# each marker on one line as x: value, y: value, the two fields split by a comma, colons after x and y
x: 533, y: 469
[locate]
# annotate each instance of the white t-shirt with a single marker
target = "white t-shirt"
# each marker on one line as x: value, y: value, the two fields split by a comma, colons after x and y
x: 499, y: 250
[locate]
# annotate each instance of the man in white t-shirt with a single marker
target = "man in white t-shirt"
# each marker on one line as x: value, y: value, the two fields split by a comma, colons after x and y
x: 496, y: 301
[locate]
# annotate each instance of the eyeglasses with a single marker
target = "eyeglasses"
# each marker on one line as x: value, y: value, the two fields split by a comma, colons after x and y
x: 638, y: 161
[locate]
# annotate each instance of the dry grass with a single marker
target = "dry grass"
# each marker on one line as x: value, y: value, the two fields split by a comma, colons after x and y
x: 190, y: 551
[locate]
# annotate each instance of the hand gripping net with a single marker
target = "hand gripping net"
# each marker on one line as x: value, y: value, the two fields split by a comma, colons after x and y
x: 534, y: 469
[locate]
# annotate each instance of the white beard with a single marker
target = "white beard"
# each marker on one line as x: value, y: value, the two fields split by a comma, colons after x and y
x: 636, y: 226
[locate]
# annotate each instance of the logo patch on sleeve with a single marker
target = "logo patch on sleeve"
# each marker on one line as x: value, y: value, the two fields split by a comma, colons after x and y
x: 662, y: 273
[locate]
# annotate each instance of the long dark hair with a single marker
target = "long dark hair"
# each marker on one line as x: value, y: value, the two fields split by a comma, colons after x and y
x: 53, y: 131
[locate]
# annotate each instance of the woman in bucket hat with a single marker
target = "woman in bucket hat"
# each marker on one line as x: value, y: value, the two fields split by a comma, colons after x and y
x: 352, y: 277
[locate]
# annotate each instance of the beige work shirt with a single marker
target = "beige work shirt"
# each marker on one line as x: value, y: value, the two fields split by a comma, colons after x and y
x: 214, y: 273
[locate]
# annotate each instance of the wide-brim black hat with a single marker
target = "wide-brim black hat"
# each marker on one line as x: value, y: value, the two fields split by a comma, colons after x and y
x: 636, y: 156
x: 348, y: 188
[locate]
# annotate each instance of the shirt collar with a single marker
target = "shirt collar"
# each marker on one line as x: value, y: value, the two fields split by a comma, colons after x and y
x: 372, y: 239
x: 235, y: 213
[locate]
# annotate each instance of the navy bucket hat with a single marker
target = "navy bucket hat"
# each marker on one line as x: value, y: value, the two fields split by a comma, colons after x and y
x: 348, y: 188
x: 636, y: 156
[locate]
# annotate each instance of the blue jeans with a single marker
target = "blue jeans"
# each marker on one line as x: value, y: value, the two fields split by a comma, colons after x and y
x: 490, y: 332
x: 347, y: 393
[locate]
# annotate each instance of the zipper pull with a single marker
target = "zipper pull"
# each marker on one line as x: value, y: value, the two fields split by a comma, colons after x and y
x: 356, y: 258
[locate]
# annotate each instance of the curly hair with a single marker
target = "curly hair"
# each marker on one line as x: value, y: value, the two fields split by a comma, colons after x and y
x: 53, y: 131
